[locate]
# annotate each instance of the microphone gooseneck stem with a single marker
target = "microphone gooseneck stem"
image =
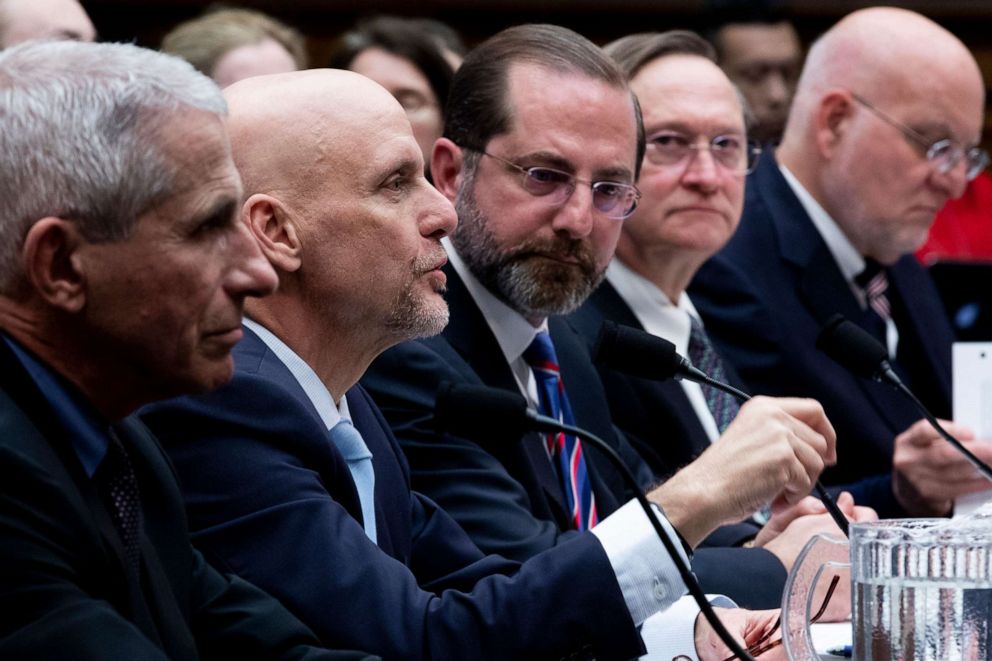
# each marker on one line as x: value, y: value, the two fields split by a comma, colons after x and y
x: 890, y: 377
x: 684, y: 571
x: 827, y: 499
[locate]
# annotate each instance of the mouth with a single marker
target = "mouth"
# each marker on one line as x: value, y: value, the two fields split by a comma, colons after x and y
x: 230, y: 336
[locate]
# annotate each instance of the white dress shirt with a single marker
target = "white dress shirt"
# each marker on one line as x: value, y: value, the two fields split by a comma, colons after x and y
x: 647, y: 577
x: 660, y: 317
x: 849, y: 260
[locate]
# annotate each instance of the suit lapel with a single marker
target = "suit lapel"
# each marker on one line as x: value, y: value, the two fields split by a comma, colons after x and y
x: 469, y: 334
x: 823, y: 288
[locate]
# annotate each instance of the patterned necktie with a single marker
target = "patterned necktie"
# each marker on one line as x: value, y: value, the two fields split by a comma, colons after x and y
x: 118, y: 486
x: 350, y: 443
x: 874, y: 281
x: 565, y: 450
x: 704, y: 357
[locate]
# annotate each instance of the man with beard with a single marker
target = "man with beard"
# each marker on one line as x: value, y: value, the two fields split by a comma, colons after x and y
x: 539, y: 156
x: 291, y: 476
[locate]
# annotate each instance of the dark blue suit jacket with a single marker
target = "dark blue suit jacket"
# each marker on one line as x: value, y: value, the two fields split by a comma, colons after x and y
x: 64, y: 593
x: 506, y: 495
x: 765, y: 297
x: 271, y: 499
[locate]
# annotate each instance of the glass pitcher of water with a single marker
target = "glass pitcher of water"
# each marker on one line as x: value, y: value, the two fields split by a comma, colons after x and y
x: 921, y: 589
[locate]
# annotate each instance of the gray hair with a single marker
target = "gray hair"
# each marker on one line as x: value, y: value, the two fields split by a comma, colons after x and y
x: 80, y: 138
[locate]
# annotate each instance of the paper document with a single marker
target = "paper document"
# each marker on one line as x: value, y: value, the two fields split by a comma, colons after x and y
x: 971, y: 366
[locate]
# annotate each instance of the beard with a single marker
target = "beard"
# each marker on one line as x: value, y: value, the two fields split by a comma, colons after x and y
x: 530, y: 277
x: 415, y: 314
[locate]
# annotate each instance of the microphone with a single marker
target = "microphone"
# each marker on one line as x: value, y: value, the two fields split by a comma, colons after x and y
x: 488, y: 414
x: 636, y: 352
x: 855, y: 349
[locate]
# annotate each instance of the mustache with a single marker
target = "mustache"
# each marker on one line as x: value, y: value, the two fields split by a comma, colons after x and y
x: 559, y: 247
x: 429, y: 261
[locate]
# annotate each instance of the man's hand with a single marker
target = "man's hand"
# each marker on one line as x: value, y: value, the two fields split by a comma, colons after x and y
x: 928, y: 473
x: 772, y: 452
x: 744, y: 625
x: 787, y: 542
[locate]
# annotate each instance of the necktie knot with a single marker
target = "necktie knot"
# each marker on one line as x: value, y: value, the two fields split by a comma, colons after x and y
x: 540, y: 355
x: 349, y: 442
x: 875, y: 281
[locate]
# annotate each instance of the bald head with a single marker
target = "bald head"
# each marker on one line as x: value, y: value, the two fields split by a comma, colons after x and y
x: 869, y: 106
x: 288, y: 129
x: 22, y: 20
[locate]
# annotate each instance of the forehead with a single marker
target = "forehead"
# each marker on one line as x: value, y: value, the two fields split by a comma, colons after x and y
x: 570, y: 114
x: 393, y: 72
x: 196, y: 144
x: 950, y: 105
x: 688, y: 92
x: 758, y: 42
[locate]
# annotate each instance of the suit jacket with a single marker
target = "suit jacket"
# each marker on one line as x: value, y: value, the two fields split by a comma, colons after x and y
x: 506, y: 495
x: 765, y: 297
x: 271, y: 499
x: 64, y: 592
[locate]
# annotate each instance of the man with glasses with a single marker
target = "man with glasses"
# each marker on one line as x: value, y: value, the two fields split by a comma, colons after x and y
x: 881, y: 134
x: 692, y: 182
x: 540, y: 154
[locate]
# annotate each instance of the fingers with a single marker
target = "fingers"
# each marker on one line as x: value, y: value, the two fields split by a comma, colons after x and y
x: 922, y: 434
x: 811, y: 414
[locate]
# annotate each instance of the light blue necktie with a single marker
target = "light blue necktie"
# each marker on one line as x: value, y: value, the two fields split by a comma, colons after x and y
x: 352, y: 446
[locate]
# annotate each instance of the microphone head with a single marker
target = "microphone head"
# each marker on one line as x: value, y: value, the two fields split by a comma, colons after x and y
x: 853, y: 347
x: 636, y: 352
x: 480, y: 413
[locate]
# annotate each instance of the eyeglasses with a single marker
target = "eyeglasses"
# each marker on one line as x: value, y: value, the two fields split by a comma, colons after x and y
x: 943, y: 155
x: 731, y: 152
x: 611, y: 198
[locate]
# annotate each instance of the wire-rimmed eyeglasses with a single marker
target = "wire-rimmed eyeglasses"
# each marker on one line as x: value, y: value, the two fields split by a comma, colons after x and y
x: 612, y: 199
x: 943, y: 155
x: 733, y: 153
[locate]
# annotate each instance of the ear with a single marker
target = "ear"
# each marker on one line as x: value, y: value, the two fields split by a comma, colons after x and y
x: 833, y: 115
x: 53, y: 263
x: 446, y: 167
x: 273, y: 229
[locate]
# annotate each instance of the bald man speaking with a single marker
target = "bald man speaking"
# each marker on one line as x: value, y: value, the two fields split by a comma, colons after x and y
x: 291, y: 476
x: 881, y: 134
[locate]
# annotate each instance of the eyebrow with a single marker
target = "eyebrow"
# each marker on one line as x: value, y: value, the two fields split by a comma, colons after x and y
x: 682, y: 127
x: 221, y: 209
x: 556, y: 161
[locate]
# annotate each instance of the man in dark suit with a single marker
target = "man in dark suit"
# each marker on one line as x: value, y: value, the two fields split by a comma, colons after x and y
x: 831, y: 218
x: 532, y: 242
x: 279, y: 487
x: 123, y: 271
x: 692, y: 196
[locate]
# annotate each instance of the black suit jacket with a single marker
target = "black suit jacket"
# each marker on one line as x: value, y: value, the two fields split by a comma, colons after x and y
x: 506, y: 495
x: 63, y: 589
x: 765, y: 297
x: 271, y: 498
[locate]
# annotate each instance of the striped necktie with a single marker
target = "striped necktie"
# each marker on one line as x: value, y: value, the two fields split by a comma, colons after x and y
x: 875, y: 282
x: 565, y: 450
x: 704, y: 357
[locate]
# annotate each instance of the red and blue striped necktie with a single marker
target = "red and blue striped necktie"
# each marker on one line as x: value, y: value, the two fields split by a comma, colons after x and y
x: 565, y: 450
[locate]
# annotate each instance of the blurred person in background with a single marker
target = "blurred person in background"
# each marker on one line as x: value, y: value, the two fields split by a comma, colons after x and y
x: 232, y: 44
x: 21, y: 20
x: 406, y: 56
x: 760, y: 52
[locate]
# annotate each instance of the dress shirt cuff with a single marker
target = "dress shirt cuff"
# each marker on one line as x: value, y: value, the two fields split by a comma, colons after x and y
x: 673, y: 632
x: 647, y: 576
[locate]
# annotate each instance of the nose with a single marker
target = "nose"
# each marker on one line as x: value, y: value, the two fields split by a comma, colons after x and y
x: 250, y: 273
x: 702, y: 170
x: 576, y: 216
x: 776, y: 89
x: 439, y: 219
x: 954, y: 182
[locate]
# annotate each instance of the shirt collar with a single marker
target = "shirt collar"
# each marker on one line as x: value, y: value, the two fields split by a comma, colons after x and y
x: 848, y: 259
x: 84, y: 426
x: 513, y: 333
x: 329, y: 412
x: 657, y: 314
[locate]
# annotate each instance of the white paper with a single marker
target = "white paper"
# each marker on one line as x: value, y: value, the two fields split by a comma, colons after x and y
x: 830, y: 636
x: 972, y: 389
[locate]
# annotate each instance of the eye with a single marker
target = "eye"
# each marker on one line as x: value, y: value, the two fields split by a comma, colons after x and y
x: 547, y: 176
x: 670, y: 141
x: 727, y: 144
x: 609, y: 189
x: 397, y: 183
